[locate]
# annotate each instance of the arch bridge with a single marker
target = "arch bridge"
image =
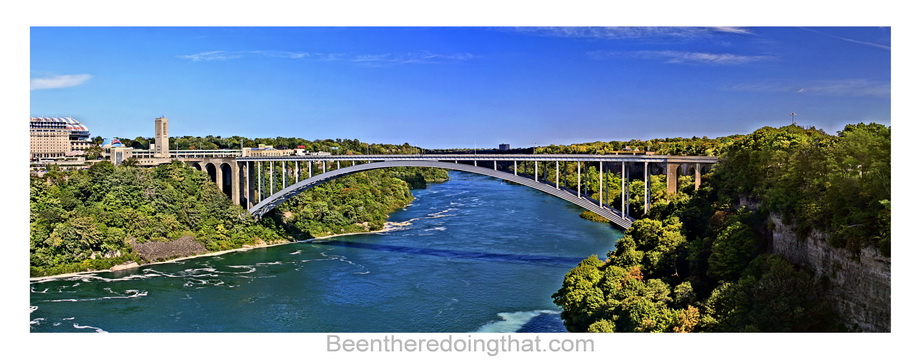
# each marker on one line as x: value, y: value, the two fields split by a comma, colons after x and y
x: 262, y: 183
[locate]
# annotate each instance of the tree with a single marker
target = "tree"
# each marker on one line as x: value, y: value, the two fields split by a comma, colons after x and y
x: 732, y: 250
x: 93, y: 153
x: 130, y: 162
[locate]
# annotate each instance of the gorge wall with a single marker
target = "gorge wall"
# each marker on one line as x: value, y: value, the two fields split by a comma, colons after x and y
x: 860, y: 284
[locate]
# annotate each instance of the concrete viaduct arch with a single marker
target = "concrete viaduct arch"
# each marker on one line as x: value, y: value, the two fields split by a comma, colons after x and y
x: 223, y: 171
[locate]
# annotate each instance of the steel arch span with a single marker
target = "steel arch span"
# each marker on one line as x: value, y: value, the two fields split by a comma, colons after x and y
x: 279, y: 197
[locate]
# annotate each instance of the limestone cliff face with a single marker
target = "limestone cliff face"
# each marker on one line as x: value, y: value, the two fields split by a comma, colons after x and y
x: 860, y: 288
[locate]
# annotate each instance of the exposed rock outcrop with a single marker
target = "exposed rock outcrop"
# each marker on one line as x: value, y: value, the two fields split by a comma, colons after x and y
x: 156, y: 251
x: 125, y: 266
x: 860, y: 290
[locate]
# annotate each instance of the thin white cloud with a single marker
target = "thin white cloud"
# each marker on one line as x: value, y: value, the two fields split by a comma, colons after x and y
x: 880, y: 46
x: 846, y: 88
x: 282, y: 54
x: 58, y: 81
x: 866, y: 43
x: 212, y: 56
x: 364, y: 59
x: 423, y: 57
x: 733, y: 30
x: 677, y: 57
x: 622, y: 33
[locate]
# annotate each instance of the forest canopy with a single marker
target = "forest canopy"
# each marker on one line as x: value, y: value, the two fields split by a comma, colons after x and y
x: 699, y: 261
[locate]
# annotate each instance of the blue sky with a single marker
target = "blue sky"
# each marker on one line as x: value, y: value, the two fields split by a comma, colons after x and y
x: 443, y: 87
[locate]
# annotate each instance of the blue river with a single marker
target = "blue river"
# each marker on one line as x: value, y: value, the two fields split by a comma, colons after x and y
x: 473, y: 254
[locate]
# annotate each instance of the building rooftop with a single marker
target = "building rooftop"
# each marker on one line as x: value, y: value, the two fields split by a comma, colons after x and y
x: 77, y: 130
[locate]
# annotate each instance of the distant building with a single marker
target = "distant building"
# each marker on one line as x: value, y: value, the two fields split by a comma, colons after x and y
x: 504, y: 147
x: 161, y: 137
x: 51, y: 137
x: 119, y: 154
x: 266, y: 150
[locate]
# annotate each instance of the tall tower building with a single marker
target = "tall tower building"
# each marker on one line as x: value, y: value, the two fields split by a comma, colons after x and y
x: 161, y: 136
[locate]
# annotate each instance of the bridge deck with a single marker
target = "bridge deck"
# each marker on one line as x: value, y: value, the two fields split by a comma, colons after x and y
x: 495, y: 157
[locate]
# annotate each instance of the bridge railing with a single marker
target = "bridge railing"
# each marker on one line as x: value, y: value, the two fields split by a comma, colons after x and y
x: 494, y: 157
x: 190, y: 153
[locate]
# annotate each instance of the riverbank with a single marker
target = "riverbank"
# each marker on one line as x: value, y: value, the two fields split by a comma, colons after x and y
x: 456, y: 260
x: 388, y: 226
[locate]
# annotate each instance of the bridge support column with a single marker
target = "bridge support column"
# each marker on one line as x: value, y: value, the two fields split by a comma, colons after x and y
x: 250, y: 188
x: 672, y: 177
x: 235, y: 188
x: 310, y: 169
x: 296, y: 172
x: 557, y: 175
x: 579, y: 178
x: 219, y: 176
x: 259, y: 172
x: 623, y: 189
x: 600, y: 183
x: 697, y: 179
x: 535, y: 171
x: 515, y: 167
x: 243, y: 188
x: 283, y: 174
x: 495, y: 165
x: 646, y: 187
x: 271, y: 178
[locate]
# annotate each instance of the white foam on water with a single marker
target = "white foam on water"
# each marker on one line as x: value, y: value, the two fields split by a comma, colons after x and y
x: 296, y: 252
x: 345, y: 260
x: 98, y: 330
x: 92, y: 277
x: 32, y: 309
x: 269, y: 263
x: 440, y: 214
x: 203, y: 282
x: 512, y: 321
x: 397, y: 226
x: 208, y: 271
x: 438, y: 228
x: 448, y: 305
x: 249, y: 269
x: 133, y: 294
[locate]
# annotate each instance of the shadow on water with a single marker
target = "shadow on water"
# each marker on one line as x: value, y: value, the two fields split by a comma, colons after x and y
x: 458, y: 254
